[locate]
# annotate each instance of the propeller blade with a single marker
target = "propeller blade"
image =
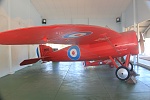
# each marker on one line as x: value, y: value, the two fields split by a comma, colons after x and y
x: 141, y: 43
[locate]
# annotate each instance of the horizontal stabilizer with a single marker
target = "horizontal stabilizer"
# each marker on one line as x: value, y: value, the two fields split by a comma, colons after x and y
x: 34, y: 60
x: 29, y: 61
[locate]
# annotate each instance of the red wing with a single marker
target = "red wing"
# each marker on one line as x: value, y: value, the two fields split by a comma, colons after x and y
x: 58, y: 34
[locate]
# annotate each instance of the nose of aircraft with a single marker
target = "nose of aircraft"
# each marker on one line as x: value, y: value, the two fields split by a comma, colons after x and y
x: 133, y: 42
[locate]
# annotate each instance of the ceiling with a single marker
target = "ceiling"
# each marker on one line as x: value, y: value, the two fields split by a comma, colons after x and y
x: 80, y: 9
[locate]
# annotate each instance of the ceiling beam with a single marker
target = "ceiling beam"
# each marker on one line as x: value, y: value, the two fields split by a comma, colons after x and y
x: 145, y: 31
x: 143, y: 26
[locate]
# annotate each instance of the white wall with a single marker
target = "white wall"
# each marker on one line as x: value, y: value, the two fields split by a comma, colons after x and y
x: 4, y: 60
x: 18, y: 54
x: 111, y: 22
x: 16, y: 14
x: 129, y: 18
x: 142, y: 8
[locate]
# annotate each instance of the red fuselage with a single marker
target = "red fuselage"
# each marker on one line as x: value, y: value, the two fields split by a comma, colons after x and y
x: 125, y: 44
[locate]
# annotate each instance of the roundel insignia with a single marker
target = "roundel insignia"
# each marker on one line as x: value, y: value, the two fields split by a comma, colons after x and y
x: 74, y: 53
x: 77, y: 34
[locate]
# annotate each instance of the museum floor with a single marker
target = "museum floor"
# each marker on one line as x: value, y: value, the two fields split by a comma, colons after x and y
x: 70, y: 81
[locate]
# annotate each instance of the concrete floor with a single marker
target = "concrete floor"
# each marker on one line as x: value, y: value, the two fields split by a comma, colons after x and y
x: 70, y: 81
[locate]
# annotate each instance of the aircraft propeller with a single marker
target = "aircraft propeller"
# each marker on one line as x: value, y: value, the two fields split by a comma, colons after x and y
x: 141, y: 41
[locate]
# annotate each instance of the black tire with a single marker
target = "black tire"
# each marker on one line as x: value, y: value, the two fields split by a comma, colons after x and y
x: 122, y: 73
x: 130, y: 67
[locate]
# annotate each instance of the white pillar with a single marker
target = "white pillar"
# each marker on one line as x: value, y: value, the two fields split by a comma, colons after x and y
x: 134, y: 14
x: 123, y: 22
x: 29, y: 23
x: 138, y: 39
x: 9, y: 47
x: 134, y: 18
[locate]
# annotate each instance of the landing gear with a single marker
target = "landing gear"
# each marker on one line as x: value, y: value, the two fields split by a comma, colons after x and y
x: 130, y: 67
x: 122, y: 73
x: 125, y: 71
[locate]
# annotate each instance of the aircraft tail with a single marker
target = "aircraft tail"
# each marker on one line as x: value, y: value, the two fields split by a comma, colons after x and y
x: 43, y: 51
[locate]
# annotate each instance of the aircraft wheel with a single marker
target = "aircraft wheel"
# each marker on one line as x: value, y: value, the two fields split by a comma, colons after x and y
x: 122, y: 73
x: 84, y: 63
x: 100, y: 62
x: 130, y: 67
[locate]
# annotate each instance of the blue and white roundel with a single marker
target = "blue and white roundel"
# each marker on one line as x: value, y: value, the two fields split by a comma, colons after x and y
x: 74, y: 53
x: 77, y: 34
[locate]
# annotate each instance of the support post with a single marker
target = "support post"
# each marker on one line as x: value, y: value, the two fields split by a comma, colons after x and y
x: 114, y: 63
x: 134, y: 23
x: 119, y: 62
x: 138, y: 39
x: 10, y: 47
x: 29, y: 23
x: 127, y: 60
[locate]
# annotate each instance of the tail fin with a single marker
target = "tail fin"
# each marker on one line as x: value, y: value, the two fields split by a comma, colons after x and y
x: 44, y: 51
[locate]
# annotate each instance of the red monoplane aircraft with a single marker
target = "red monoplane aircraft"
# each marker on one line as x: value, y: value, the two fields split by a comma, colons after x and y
x: 88, y: 43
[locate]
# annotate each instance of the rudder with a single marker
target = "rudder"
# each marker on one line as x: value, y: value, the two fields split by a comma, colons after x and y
x: 44, y: 51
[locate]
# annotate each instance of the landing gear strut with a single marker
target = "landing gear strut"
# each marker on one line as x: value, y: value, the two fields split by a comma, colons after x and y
x: 130, y: 66
x: 123, y: 72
